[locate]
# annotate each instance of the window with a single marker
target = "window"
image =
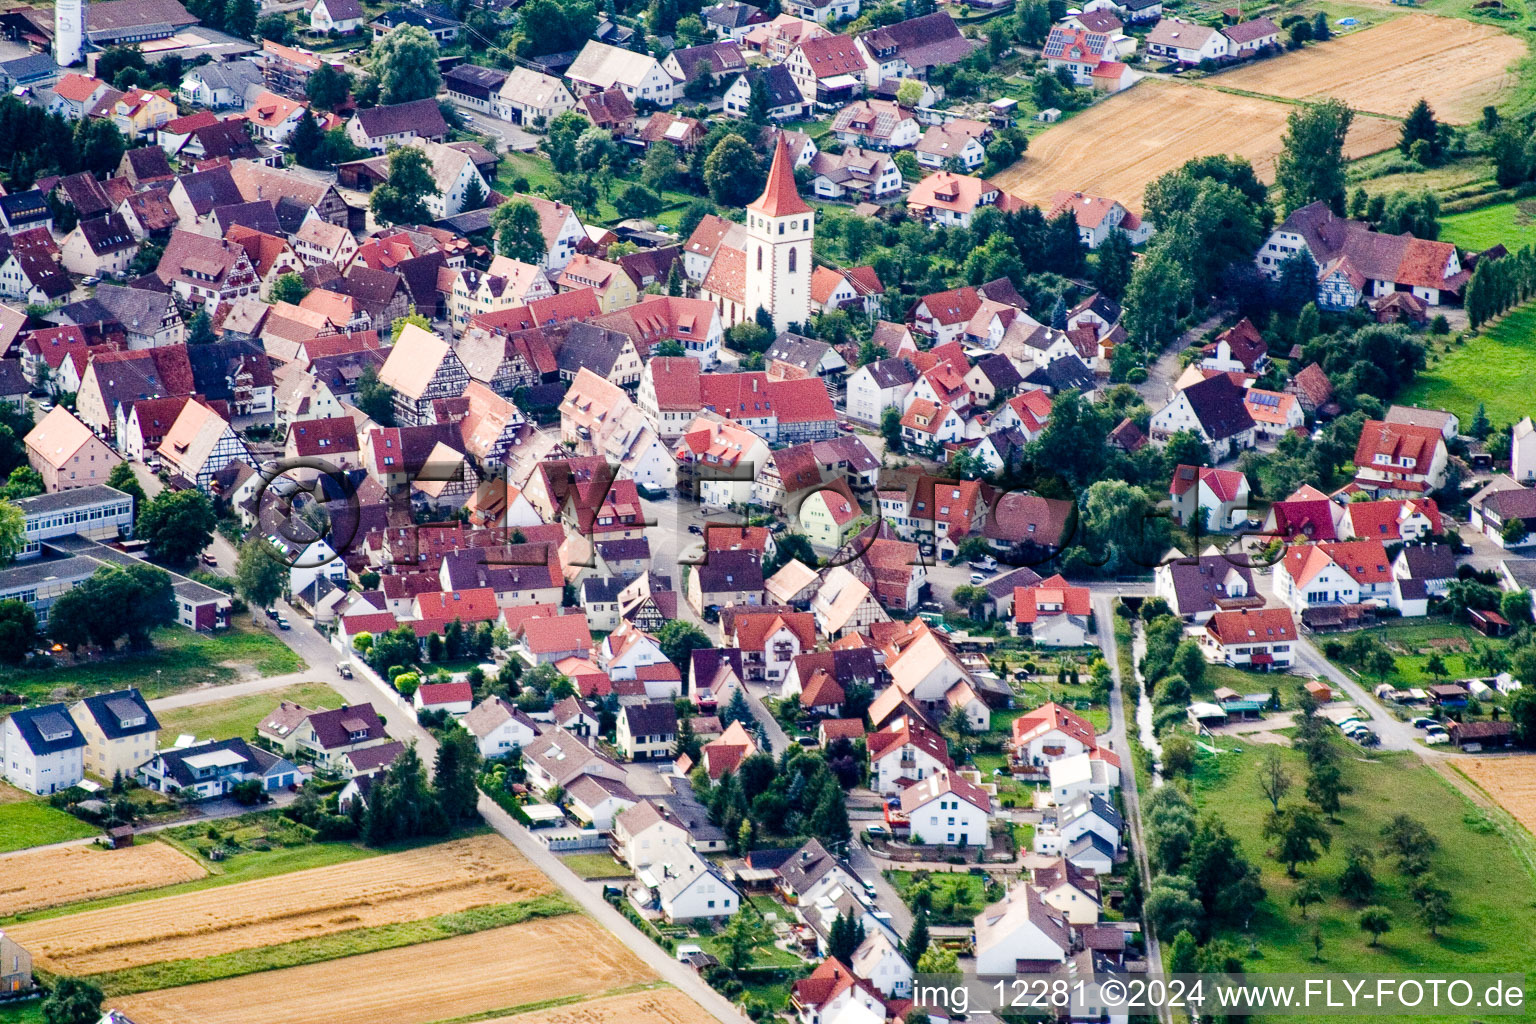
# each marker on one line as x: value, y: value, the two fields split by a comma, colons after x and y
x: 759, y: 257
x: 791, y: 260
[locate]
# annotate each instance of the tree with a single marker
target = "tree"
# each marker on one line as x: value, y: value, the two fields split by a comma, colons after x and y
x: 678, y: 638
x: 737, y: 709
x: 938, y: 960
x: 1311, y: 164
x: 177, y: 524
x: 403, y: 198
x: 1113, y: 265
x: 846, y: 935
x: 1307, y: 892
x: 405, y: 63
x: 72, y: 1001
x: 13, y: 531
x: 289, y: 287
x: 733, y: 172
x: 240, y: 18
x: 1226, y: 884
x: 200, y: 328
x: 740, y: 938
x: 890, y: 429
x: 18, y: 631
x: 1377, y: 920
x: 328, y: 87
x: 475, y: 197
x: 636, y: 202
x: 1185, y: 448
x: 1321, y: 32
x: 971, y: 598
x: 1154, y: 299
x: 1434, y: 666
x: 308, y: 142
x: 917, y: 938
x: 1171, y: 907
x: 375, y: 398
x: 403, y: 804
x: 1325, y: 785
x: 1432, y: 903
x: 454, y: 773
x: 24, y: 482
x: 117, y: 601
x: 1407, y: 838
x: 260, y: 576
x: 1300, y: 834
x: 519, y: 232
x: 1181, y: 954
x: 1357, y: 883
x: 1480, y: 427
x: 1421, y: 126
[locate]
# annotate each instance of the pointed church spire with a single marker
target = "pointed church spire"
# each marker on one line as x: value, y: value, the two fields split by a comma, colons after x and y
x: 780, y: 198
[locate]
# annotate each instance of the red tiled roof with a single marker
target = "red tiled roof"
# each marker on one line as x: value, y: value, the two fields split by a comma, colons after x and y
x: 433, y: 694
x: 1267, y: 625
x: 781, y: 197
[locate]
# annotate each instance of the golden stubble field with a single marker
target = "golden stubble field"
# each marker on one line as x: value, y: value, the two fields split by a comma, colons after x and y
x: 52, y: 878
x: 407, y: 886
x: 1117, y: 147
x: 1457, y: 65
x: 661, y: 1006
x: 1509, y: 780
x: 526, y: 963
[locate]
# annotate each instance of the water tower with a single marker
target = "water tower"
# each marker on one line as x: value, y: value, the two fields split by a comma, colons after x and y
x: 68, y: 32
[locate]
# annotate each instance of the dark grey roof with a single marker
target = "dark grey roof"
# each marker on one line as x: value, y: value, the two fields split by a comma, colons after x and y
x: 23, y: 70
x: 47, y: 729
x: 211, y: 188
x: 23, y: 575
x: 227, y: 138
x: 1091, y: 841
x: 728, y: 571
x: 1430, y: 561
x: 596, y: 348
x: 601, y: 589
x: 234, y: 75
x: 422, y: 117
x: 889, y: 373
x: 658, y: 718
x: 12, y: 381
x: 85, y: 193
x: 475, y: 76
x: 999, y: 369
x: 24, y: 207
x: 797, y: 350
x: 1066, y: 373
x: 174, y: 762
x: 808, y: 864
x: 921, y: 42
x: 108, y: 234
x: 1001, y: 587
x: 122, y: 713
x: 731, y: 15
x: 134, y: 308
x: 258, y: 215
x: 1198, y: 583
x: 782, y: 91
x: 1092, y: 805
x: 625, y: 549
x: 1217, y: 403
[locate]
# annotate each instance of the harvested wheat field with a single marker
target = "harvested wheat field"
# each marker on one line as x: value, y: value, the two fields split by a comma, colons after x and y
x: 1116, y: 147
x: 1509, y: 780
x: 51, y: 878
x: 1457, y: 65
x: 406, y: 886
x: 527, y: 963
x: 661, y: 1006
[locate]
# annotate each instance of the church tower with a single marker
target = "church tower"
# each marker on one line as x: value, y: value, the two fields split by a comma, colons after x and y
x: 68, y: 32
x: 780, y: 227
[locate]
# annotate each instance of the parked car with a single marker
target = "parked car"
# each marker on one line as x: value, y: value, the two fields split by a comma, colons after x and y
x: 283, y: 623
x: 696, y: 528
x: 877, y: 830
x: 1424, y: 723
x: 978, y: 577
x: 208, y: 560
x: 344, y: 670
x: 271, y: 614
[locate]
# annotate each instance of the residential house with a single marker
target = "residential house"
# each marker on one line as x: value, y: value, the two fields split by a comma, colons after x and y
x: 1020, y: 931
x: 946, y: 809
x: 1260, y: 638
x: 1216, y: 499
x: 1053, y: 613
x: 206, y: 272
x: 689, y: 887
x: 528, y: 97
x: 785, y: 102
x: 599, y: 67
x: 44, y: 749
x: 1214, y: 411
x: 1197, y: 587
x: 828, y: 70
x: 1050, y: 733
x: 65, y: 452
x: 213, y: 769
x: 905, y: 750
x: 876, y: 124
x: 860, y: 175
x: 912, y: 48
x: 322, y: 736
x: 1186, y: 42
x: 119, y: 730
x: 1097, y: 218
x: 769, y: 641
x: 1400, y: 459
x: 200, y: 444
x: 341, y: 17
x: 647, y: 732
x: 947, y: 199
x: 1504, y: 512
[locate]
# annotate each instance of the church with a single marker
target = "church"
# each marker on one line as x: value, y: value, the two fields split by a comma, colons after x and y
x: 766, y: 262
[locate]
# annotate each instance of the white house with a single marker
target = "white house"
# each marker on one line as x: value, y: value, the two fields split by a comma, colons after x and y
x: 1050, y: 733
x: 1219, y: 497
x: 44, y: 749
x: 878, y: 961
x: 1053, y: 613
x: 340, y: 16
x: 1019, y: 927
x: 639, y: 76
x: 499, y: 728
x: 946, y: 809
x: 689, y: 887
x: 905, y: 749
x: 1212, y: 409
x: 1186, y: 42
x: 1089, y: 773
x: 881, y: 385
x: 649, y: 833
x: 597, y: 801
x: 1087, y: 815
x: 456, y: 699
x: 1262, y: 638
x: 1308, y: 576
x: 1522, y: 466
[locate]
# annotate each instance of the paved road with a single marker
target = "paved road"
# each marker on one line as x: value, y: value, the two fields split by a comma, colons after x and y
x: 1394, y: 733
x: 1165, y: 369
x: 1120, y: 721
x: 886, y: 898
x: 512, y: 138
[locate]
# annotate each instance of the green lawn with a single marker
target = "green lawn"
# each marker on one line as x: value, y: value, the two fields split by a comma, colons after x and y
x: 1512, y: 224
x: 181, y: 659
x: 1495, y: 904
x: 173, y: 973
x: 33, y: 823
x: 29, y: 1012
x: 238, y: 716
x: 594, y: 865
x: 1493, y: 367
x: 958, y: 896
x: 1417, y: 639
